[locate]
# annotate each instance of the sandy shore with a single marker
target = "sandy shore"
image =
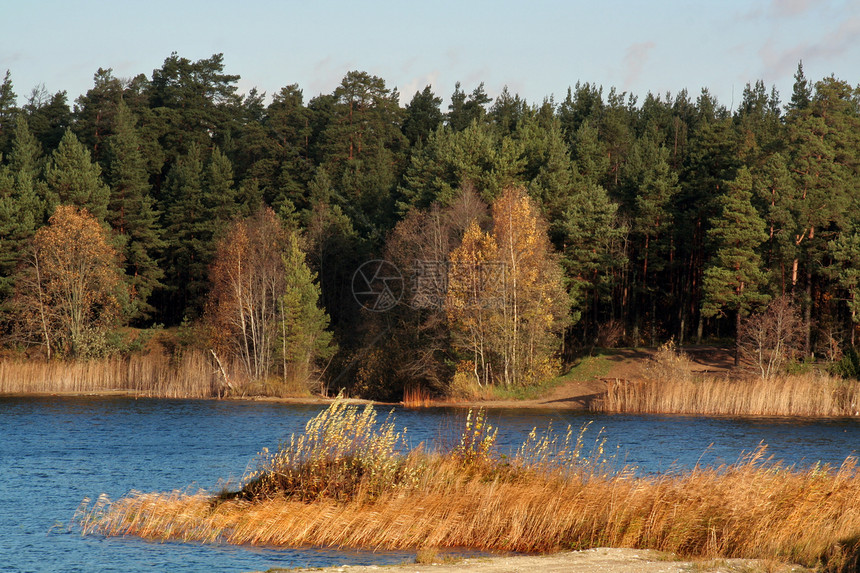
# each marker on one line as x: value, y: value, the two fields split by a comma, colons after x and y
x: 592, y: 560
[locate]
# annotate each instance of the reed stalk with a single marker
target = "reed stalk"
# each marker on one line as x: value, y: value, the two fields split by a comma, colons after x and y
x: 152, y: 375
x: 814, y: 395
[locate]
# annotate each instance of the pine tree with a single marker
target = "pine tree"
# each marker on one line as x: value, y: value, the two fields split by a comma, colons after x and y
x: 21, y: 211
x: 219, y: 190
x: 464, y: 111
x: 189, y: 235
x: 651, y: 186
x: 25, y: 160
x: 734, y: 280
x: 95, y: 112
x: 801, y: 95
x: 423, y: 116
x: 8, y: 112
x: 48, y: 115
x: 824, y: 164
x: 73, y: 179
x: 365, y: 149
x: 132, y: 214
x: 282, y: 157
x: 589, y: 235
x: 507, y: 112
x: 304, y: 335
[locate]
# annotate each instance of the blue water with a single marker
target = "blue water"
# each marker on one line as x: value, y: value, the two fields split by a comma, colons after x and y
x: 54, y: 452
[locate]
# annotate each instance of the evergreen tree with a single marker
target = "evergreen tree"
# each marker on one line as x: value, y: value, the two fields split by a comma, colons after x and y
x: 652, y: 186
x: 547, y: 168
x: 589, y: 235
x: 845, y: 250
x: 463, y: 111
x: 589, y: 153
x: 8, y: 111
x: 476, y: 156
x: 364, y: 149
x: 94, y: 112
x: 423, y: 116
x: 48, y: 116
x: 734, y: 280
x: 283, y: 166
x: 304, y: 336
x: 775, y: 196
x: 583, y: 103
x: 189, y: 232
x: 801, y: 95
x: 132, y: 214
x: 192, y: 102
x: 73, y: 179
x: 21, y: 211
x: 219, y: 190
x: 825, y: 167
x: 507, y: 111
x: 25, y: 161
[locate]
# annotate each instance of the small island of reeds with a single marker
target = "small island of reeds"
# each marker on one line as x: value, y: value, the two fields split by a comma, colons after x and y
x: 350, y: 481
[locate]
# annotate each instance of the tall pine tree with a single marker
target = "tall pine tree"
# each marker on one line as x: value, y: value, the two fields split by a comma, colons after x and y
x: 132, y: 214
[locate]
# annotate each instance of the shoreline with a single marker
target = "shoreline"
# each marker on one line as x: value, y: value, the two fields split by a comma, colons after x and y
x: 602, y: 559
x: 531, y: 404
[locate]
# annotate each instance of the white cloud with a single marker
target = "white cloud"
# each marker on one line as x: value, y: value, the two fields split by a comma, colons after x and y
x: 634, y: 61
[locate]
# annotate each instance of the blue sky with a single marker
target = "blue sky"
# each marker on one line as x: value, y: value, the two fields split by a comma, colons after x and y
x: 536, y: 48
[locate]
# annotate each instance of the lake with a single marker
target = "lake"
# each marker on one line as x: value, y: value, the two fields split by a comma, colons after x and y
x: 54, y: 452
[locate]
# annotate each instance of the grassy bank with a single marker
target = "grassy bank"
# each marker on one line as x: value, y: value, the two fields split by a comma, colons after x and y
x: 152, y: 374
x: 671, y: 385
x: 349, y: 481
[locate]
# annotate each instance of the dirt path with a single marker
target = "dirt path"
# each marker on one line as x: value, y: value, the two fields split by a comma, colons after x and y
x: 589, y: 561
x: 624, y: 364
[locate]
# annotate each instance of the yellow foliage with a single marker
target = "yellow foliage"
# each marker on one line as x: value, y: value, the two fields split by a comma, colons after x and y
x: 506, y: 301
x: 73, y: 290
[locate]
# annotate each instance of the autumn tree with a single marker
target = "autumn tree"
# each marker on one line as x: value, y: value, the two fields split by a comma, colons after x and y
x: 71, y: 292
x: 535, y: 302
x: 768, y: 339
x: 506, y: 299
x: 419, y: 344
x: 263, y: 303
x: 474, y: 295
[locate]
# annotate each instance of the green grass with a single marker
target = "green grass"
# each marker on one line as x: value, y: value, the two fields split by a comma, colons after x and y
x: 586, y: 369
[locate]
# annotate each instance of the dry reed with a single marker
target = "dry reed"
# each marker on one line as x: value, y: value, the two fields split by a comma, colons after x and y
x: 152, y: 374
x: 673, y: 387
x: 548, y: 496
x: 417, y: 397
x: 798, y: 395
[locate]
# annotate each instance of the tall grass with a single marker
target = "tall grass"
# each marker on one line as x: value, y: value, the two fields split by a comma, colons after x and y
x: 672, y: 386
x: 153, y: 374
x: 552, y: 494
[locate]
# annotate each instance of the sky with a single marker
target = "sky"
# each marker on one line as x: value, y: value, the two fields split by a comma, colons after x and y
x: 536, y: 48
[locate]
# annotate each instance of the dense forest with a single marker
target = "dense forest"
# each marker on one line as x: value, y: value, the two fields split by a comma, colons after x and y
x: 635, y: 221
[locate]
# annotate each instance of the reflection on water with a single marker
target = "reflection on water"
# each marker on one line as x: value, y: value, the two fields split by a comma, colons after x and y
x: 55, y: 452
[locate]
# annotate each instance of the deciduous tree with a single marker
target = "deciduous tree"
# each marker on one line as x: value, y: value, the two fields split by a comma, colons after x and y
x: 71, y: 293
x: 263, y: 303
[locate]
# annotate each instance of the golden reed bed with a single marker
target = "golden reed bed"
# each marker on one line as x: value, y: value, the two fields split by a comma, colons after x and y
x: 348, y: 482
